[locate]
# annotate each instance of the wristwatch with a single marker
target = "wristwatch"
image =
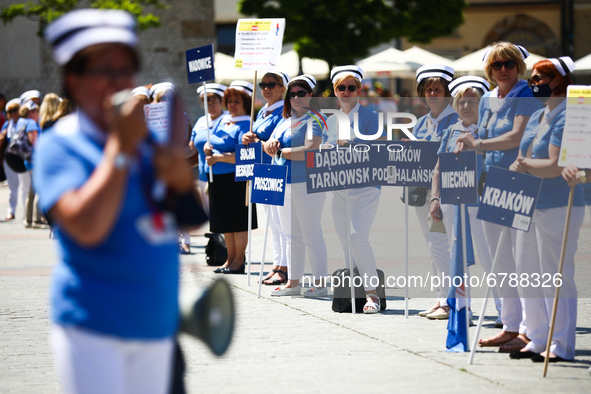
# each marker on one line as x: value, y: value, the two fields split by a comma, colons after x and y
x: 435, y: 198
x: 122, y: 161
x: 279, y: 152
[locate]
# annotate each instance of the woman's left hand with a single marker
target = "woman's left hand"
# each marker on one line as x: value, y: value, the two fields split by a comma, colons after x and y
x: 211, y: 159
x: 465, y: 142
x: 519, y: 165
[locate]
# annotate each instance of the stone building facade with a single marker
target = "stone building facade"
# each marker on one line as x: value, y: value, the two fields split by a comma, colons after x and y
x: 26, y: 61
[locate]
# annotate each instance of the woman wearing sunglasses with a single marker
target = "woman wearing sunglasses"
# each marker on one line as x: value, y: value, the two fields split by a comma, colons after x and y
x: 538, y: 250
x: 9, y: 128
x: 273, y: 86
x: 355, y: 209
x: 503, y: 115
x: 300, y: 215
x: 433, y: 90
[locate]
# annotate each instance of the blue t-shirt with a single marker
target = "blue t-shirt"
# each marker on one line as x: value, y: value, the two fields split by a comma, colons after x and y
x: 521, y: 104
x: 126, y: 286
x: 292, y: 132
x: 555, y: 191
x: 199, y: 138
x: 421, y: 129
x: 225, y: 139
x: 31, y: 125
x: 264, y: 125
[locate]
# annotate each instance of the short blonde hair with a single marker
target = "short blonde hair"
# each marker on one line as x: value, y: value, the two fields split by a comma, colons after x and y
x: 48, y: 107
x: 505, y: 50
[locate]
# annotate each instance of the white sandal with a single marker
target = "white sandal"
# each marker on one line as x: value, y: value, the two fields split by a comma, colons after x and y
x: 371, y: 306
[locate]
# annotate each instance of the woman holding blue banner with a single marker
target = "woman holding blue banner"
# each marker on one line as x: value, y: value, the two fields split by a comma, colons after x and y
x: 467, y: 92
x: 217, y: 119
x: 354, y: 210
x: 273, y: 86
x: 228, y: 213
x: 538, y: 251
x: 299, y: 217
x: 503, y: 115
x: 433, y: 89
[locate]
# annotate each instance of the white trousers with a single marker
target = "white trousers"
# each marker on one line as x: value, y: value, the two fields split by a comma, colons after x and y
x: 24, y: 180
x: 300, y: 220
x: 91, y: 363
x: 353, y: 213
x: 278, y: 238
x: 484, y: 256
x: 12, y: 178
x: 538, y: 253
x: 512, y: 313
x: 439, y: 244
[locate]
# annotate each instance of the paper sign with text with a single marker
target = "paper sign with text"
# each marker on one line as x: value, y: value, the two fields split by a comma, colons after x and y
x: 158, y: 121
x: 258, y: 43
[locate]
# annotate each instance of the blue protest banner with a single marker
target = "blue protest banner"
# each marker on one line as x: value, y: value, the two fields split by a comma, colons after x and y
x: 269, y: 184
x: 412, y: 165
x: 509, y: 198
x: 377, y: 163
x: 246, y: 157
x: 457, y: 174
x: 200, y: 64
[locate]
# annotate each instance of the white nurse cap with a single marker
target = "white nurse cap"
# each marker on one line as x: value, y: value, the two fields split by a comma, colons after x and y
x: 563, y: 64
x: 30, y: 94
x: 82, y: 28
x: 351, y: 70
x: 524, y: 53
x: 468, y: 81
x: 243, y: 85
x: 140, y: 91
x: 216, y: 88
x: 284, y: 77
x: 309, y: 79
x: 435, y: 70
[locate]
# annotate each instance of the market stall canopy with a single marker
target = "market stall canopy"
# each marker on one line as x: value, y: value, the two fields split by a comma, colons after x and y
x: 387, y: 64
x: 472, y: 64
x: 583, y: 65
x: 417, y: 57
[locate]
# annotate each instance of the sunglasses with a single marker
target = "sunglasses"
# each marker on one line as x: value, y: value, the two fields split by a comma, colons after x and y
x: 13, y: 110
x: 270, y: 85
x: 350, y: 88
x: 299, y: 93
x: 509, y: 65
x: 536, y: 79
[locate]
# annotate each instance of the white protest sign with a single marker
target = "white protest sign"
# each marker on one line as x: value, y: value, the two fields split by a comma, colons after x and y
x: 258, y: 43
x: 576, y: 138
x: 157, y: 119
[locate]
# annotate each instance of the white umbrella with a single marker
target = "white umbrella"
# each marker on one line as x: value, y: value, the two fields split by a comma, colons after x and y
x: 472, y: 64
x: 417, y: 57
x: 583, y: 65
x: 289, y: 63
x: 386, y: 63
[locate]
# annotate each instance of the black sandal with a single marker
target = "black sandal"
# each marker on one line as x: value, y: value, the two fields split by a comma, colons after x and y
x: 276, y: 282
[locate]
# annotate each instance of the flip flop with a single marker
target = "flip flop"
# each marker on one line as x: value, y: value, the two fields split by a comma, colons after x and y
x: 276, y: 282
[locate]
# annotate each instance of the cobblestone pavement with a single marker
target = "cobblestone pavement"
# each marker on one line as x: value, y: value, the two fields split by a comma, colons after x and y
x: 293, y: 344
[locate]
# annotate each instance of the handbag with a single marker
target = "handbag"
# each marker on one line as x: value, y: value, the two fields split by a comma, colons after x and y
x: 341, y: 300
x: 19, y: 144
x: 417, y: 196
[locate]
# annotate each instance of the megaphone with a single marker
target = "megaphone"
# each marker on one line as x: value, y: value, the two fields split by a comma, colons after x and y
x: 209, y: 316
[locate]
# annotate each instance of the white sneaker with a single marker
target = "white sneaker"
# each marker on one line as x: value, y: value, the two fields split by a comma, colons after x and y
x: 315, y: 292
x: 286, y: 291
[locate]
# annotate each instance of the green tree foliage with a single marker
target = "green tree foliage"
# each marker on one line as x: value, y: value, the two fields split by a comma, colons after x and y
x: 340, y: 31
x: 46, y: 11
